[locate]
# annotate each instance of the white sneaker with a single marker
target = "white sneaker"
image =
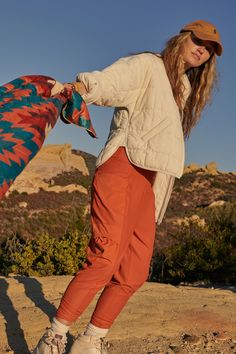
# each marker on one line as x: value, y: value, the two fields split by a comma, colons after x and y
x: 51, y: 343
x: 89, y: 345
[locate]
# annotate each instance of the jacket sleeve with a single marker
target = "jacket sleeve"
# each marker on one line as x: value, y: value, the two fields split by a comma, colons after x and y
x: 119, y: 84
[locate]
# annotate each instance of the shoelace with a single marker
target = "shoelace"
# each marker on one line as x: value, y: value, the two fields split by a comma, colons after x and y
x: 61, y: 346
x: 58, y: 343
x: 104, y: 346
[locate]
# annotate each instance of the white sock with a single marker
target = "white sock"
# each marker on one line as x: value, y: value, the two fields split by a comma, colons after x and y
x: 59, y: 328
x: 92, y: 330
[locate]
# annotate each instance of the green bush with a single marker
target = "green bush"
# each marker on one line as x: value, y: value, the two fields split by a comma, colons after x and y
x: 206, y: 253
x: 199, y: 251
x: 43, y: 255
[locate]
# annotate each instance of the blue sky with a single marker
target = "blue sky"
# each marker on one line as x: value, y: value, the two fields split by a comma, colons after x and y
x: 61, y: 38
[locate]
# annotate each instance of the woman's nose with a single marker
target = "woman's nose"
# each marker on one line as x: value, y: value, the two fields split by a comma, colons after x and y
x: 201, y: 49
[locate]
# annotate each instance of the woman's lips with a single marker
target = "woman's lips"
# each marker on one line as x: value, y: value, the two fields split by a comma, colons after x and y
x: 197, y: 56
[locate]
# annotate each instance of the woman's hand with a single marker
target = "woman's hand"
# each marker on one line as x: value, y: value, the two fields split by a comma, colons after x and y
x: 78, y: 86
x: 57, y: 87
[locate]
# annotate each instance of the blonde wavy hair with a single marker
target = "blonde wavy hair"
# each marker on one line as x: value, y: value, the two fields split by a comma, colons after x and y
x: 202, y: 79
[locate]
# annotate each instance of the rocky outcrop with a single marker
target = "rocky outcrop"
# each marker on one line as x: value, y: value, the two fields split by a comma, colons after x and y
x: 217, y: 203
x: 210, y: 168
x: 186, y: 221
x: 49, y: 162
x: 192, y: 168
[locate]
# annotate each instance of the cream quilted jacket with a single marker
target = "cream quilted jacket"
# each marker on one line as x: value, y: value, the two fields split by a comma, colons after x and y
x: 146, y: 118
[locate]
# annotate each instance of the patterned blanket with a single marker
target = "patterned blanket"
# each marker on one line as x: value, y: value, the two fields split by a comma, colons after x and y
x: 27, y: 113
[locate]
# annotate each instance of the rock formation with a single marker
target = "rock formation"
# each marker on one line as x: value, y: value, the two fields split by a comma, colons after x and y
x: 210, y: 168
x: 49, y: 162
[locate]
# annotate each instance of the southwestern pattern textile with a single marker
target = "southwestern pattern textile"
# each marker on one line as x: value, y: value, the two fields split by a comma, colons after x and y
x: 27, y: 113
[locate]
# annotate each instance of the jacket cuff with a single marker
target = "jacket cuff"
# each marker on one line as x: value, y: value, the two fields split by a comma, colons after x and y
x: 91, y: 85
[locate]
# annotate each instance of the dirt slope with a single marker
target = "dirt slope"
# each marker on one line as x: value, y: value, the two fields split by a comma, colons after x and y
x: 158, y: 318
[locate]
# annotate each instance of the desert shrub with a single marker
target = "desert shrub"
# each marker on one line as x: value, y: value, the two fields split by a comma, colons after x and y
x: 222, y: 217
x: 15, y: 192
x: 44, y: 255
x: 199, y: 252
x: 70, y: 253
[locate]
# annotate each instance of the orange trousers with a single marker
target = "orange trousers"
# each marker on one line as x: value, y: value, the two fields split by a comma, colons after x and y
x: 120, y: 250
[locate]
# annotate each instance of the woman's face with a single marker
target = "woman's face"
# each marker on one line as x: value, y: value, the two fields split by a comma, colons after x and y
x: 196, y: 51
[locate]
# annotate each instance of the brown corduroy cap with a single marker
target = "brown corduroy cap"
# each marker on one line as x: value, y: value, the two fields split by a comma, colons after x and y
x: 206, y: 31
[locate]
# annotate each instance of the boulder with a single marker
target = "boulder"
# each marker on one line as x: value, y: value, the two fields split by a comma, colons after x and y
x: 217, y: 203
x: 23, y: 205
x: 69, y: 188
x: 186, y: 221
x: 192, y: 168
x: 211, y: 168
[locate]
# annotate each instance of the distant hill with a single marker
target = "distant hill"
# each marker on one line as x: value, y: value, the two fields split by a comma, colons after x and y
x: 58, y: 195
x: 51, y: 196
x: 199, y: 188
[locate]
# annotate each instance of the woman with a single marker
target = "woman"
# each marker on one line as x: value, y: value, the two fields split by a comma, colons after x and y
x: 158, y: 99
